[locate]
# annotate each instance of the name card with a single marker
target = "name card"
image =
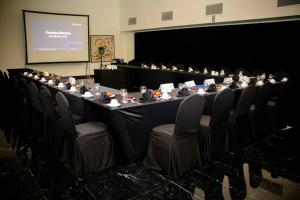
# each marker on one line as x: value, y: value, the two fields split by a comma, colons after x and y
x: 111, y: 67
x: 189, y: 84
x: 167, y: 87
x: 244, y: 79
x: 208, y: 82
x: 228, y: 80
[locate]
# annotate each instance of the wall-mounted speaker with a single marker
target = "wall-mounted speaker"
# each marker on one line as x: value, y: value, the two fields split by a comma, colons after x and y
x: 214, y: 9
x: 131, y: 20
x: 167, y: 16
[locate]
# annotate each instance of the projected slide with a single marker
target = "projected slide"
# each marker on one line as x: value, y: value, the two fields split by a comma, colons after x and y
x: 56, y: 37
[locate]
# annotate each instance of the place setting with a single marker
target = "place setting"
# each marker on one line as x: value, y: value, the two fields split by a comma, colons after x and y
x: 36, y: 77
x: 60, y: 85
x: 147, y: 95
x: 114, y: 103
x: 43, y: 80
x: 72, y: 89
x: 87, y: 94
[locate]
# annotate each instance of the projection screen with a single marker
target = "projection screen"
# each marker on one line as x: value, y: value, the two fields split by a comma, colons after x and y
x: 53, y: 38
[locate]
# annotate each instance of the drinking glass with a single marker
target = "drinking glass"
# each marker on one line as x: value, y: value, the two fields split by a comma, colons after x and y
x: 123, y: 93
x: 81, y: 83
x: 97, y: 87
x: 258, y: 77
x: 143, y: 89
x: 270, y: 76
x: 180, y: 86
x: 263, y: 76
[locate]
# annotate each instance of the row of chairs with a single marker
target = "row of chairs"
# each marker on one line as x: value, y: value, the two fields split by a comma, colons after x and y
x: 196, y: 139
x: 48, y: 127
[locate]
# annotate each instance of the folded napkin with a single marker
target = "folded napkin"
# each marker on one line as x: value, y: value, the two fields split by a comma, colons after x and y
x: 104, y: 98
x: 272, y: 81
x: 284, y: 79
x: 212, y: 88
x: 147, y: 96
x: 68, y: 85
x: 222, y: 72
x: 259, y: 83
x: 83, y: 89
x: 183, y: 92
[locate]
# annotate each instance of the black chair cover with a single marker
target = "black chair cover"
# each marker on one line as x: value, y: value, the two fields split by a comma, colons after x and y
x: 213, y: 134
x: 1, y: 75
x: 54, y: 133
x: 239, y: 123
x: 258, y: 113
x: 174, y: 148
x: 37, y: 111
x: 89, y: 145
x: 24, y: 93
x: 280, y: 108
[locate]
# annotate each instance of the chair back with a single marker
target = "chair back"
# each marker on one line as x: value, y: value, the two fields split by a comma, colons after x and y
x: 221, y: 107
x: 66, y: 114
x: 17, y: 91
x: 262, y: 96
x: 246, y: 99
x: 1, y: 76
x: 24, y: 88
x: 189, y: 115
x: 285, y: 92
x: 47, y: 102
x: 35, y: 97
x: 5, y: 76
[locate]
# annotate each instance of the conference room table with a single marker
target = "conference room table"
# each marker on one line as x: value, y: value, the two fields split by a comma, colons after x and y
x: 131, y: 77
x: 130, y: 124
x: 111, y: 78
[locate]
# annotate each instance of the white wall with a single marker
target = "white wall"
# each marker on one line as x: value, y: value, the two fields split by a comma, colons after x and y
x: 104, y: 20
x: 192, y: 12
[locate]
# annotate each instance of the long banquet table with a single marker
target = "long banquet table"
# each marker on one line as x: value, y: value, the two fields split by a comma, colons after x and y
x: 131, y: 77
x: 131, y: 123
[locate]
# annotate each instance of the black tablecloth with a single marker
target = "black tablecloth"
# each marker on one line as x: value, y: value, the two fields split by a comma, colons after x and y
x: 131, y: 77
x: 131, y: 123
x: 110, y: 78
